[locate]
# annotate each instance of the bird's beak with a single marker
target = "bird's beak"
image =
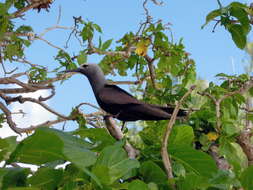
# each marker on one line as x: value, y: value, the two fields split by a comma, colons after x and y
x: 72, y: 71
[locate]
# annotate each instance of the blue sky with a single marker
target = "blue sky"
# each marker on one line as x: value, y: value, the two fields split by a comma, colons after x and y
x: 212, y: 52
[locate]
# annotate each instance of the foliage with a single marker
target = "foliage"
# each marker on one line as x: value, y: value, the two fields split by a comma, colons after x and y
x: 236, y: 19
x: 90, y: 158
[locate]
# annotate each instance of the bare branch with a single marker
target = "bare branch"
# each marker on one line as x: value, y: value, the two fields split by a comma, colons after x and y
x: 21, y: 100
x: 20, y: 90
x: 53, y: 28
x: 220, y: 161
x: 164, y: 149
x: 151, y: 70
x: 9, y: 118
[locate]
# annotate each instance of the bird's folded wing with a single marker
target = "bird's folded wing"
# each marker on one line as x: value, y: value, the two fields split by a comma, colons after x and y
x: 112, y: 94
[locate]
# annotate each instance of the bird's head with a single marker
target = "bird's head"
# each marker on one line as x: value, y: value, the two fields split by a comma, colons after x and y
x: 86, y: 69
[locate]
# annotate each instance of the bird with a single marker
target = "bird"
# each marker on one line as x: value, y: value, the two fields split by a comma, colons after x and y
x: 118, y: 102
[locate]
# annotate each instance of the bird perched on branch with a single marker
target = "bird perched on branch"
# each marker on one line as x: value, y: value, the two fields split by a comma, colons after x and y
x: 119, y: 103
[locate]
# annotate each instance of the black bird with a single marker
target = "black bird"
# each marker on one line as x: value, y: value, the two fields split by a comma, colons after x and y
x: 119, y: 103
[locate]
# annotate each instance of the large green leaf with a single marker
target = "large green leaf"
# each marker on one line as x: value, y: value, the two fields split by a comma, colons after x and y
x: 246, y: 178
x: 196, y: 161
x: 151, y: 172
x: 181, y: 135
x: 113, y: 161
x: 41, y: 147
x: 47, y: 145
x: 46, y: 178
x: 234, y: 155
x: 76, y: 150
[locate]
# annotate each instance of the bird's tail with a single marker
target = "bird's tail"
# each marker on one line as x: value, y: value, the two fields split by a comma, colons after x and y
x: 181, y: 112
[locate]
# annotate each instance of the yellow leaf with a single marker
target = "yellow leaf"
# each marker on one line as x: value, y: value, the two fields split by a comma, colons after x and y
x: 142, y: 47
x: 212, y: 136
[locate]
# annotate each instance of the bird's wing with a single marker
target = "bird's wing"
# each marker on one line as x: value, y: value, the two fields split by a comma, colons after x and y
x: 112, y: 94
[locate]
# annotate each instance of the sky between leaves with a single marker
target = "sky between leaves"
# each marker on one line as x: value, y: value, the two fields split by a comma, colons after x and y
x: 213, y: 52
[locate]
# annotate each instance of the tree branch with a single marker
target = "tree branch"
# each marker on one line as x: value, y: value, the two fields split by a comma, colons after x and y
x: 115, y: 131
x: 164, y: 149
x: 9, y: 120
x: 21, y: 100
x: 27, y: 8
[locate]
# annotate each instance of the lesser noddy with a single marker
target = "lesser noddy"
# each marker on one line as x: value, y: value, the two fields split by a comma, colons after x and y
x: 119, y: 103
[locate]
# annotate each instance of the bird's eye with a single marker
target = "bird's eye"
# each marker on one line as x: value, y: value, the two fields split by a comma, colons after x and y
x: 84, y: 66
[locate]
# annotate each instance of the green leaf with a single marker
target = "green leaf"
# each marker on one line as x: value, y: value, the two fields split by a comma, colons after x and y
x: 242, y: 16
x: 223, y: 179
x: 114, y: 161
x: 192, y: 182
x: 88, y: 31
x: 181, y: 135
x: 213, y: 14
x: 7, y: 146
x: 103, y: 173
x: 138, y: 184
x: 38, y: 149
x: 97, y: 28
x: 75, y: 150
x: 251, y: 91
x: 153, y: 186
x: 151, y: 172
x: 46, y: 178
x: 233, y: 154
x: 98, y: 136
x: 246, y: 178
x: 82, y: 58
x: 24, y: 29
x: 195, y: 161
x: 106, y: 45
x: 238, y: 36
x: 13, y: 177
